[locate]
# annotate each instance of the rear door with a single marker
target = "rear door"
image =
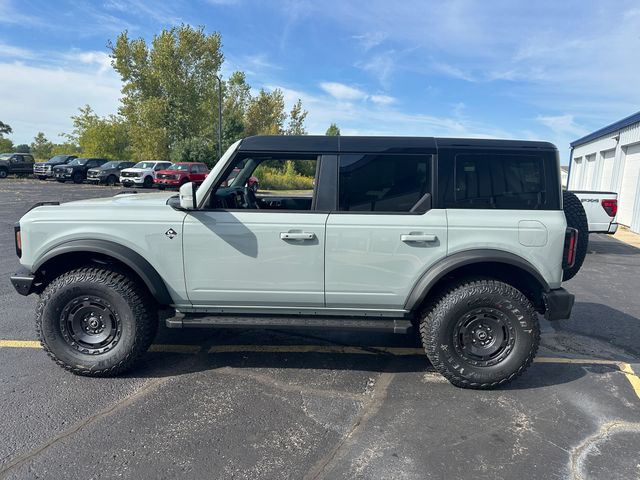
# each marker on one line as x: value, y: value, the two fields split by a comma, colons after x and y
x: 384, y: 234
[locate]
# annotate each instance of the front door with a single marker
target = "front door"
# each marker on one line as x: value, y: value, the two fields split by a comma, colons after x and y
x: 269, y: 252
x: 384, y: 235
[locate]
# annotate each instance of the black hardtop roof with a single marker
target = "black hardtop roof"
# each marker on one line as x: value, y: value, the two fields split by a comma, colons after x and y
x: 322, y: 143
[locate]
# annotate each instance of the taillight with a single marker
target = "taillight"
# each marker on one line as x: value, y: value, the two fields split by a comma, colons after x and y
x: 570, y: 247
x: 18, y: 240
x: 610, y: 206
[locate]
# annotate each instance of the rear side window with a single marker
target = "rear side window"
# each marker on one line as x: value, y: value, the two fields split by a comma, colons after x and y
x: 504, y: 181
x: 383, y: 183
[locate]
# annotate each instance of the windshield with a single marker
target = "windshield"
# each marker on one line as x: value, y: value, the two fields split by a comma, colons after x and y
x: 110, y: 165
x: 5, y: 156
x: 58, y: 159
x: 179, y: 166
x: 79, y: 161
x: 144, y: 165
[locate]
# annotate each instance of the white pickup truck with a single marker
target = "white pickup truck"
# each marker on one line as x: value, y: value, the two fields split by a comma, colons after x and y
x: 601, y: 209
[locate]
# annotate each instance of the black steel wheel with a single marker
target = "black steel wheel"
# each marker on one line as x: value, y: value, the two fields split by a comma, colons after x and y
x: 96, y: 321
x: 480, y: 334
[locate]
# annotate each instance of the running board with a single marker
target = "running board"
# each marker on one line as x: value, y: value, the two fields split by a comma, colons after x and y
x: 195, y: 320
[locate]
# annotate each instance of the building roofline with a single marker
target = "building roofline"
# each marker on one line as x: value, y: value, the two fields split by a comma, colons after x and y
x: 614, y: 127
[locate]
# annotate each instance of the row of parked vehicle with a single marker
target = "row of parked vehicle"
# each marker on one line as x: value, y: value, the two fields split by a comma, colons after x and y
x: 65, y: 168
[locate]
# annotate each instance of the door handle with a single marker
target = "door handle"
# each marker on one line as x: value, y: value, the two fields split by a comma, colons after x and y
x: 297, y: 235
x: 418, y: 237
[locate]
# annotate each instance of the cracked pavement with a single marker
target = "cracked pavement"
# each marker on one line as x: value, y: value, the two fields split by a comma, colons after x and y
x: 335, y: 413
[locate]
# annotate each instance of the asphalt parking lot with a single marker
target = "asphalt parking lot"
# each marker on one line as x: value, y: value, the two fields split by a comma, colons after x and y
x: 303, y: 404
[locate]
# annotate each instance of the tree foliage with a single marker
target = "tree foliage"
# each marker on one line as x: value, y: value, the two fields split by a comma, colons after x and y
x: 265, y: 114
x: 297, y: 117
x: 333, y: 130
x: 41, y: 147
x: 106, y: 137
x: 5, y: 129
x: 6, y: 145
x: 194, y: 149
x: 22, y: 148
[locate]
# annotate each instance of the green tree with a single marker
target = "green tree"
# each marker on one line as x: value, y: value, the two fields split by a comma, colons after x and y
x: 297, y: 116
x: 333, y: 130
x: 265, y: 114
x: 194, y: 149
x: 41, y: 147
x: 169, y: 87
x: 5, y: 129
x: 65, y: 148
x: 237, y: 97
x: 22, y: 148
x: 6, y: 145
x: 100, y: 137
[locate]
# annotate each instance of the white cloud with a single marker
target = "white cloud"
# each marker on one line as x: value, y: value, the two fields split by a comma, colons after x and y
x: 44, y: 98
x: 11, y: 51
x: 340, y: 91
x: 453, y: 71
x: 382, y: 99
x: 381, y: 66
x: 562, y: 124
x: 91, y: 58
x: 370, y: 40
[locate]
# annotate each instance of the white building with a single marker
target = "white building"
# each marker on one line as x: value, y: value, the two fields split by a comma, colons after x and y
x: 608, y: 160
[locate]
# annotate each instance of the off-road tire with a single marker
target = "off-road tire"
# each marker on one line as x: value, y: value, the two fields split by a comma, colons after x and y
x: 576, y: 218
x: 439, y: 323
x: 4, y: 173
x: 136, y: 310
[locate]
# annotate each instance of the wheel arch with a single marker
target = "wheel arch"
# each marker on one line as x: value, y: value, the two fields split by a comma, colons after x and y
x: 80, y: 252
x: 488, y: 263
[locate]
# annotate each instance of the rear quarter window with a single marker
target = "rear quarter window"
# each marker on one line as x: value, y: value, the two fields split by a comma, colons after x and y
x: 499, y: 180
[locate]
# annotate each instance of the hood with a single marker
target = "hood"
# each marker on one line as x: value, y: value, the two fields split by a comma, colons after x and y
x: 126, y: 200
x: 135, y: 170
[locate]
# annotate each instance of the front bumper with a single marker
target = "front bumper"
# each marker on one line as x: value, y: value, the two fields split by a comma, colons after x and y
x: 23, y: 281
x: 558, y: 304
x: 62, y: 175
x: 166, y: 182
x: 128, y: 181
x: 95, y: 180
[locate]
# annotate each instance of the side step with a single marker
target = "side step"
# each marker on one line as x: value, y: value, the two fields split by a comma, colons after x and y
x: 195, y: 320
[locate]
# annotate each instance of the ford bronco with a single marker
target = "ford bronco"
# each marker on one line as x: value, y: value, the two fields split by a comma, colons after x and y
x: 464, y: 240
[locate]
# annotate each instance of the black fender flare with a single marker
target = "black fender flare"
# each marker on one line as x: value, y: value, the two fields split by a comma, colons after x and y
x: 468, y: 257
x: 125, y: 255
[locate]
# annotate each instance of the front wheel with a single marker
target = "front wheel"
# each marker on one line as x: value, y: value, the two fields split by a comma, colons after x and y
x: 42, y: 177
x: 111, y: 180
x: 3, y: 173
x: 77, y: 177
x: 148, y: 182
x: 95, y: 321
x: 481, y: 334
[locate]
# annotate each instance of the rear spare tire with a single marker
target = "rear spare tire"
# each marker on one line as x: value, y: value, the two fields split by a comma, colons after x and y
x: 576, y: 218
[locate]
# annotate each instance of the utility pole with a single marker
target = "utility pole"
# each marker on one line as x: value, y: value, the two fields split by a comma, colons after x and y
x: 219, y: 117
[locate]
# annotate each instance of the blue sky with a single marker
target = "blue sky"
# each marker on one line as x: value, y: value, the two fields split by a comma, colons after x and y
x: 545, y: 70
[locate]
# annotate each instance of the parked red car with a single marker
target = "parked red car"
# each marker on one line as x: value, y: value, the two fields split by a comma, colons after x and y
x: 252, y: 182
x: 180, y: 173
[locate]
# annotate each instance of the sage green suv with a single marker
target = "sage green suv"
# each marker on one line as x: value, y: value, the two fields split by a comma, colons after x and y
x: 464, y: 240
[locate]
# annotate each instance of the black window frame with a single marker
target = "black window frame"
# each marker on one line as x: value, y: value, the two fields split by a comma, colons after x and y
x: 432, y: 169
x: 317, y: 199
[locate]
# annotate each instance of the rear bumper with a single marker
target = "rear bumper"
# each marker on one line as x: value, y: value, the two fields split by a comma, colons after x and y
x: 558, y: 304
x: 22, y: 281
x: 613, y: 228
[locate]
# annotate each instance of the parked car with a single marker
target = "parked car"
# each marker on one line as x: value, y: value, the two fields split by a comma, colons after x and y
x: 252, y: 182
x: 142, y: 174
x: 44, y: 170
x: 16, y: 163
x: 76, y: 170
x: 180, y: 173
x: 109, y: 173
x: 464, y: 239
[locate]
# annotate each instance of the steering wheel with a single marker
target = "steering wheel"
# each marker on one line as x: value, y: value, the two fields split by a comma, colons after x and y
x: 250, y: 199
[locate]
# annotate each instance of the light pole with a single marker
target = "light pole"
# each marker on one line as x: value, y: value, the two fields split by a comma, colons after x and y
x: 219, y: 117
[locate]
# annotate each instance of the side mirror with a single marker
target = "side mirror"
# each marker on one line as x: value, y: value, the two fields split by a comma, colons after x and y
x: 187, y: 195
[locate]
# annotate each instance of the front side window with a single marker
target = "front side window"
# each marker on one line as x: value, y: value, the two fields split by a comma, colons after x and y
x: 180, y: 167
x: 393, y: 183
x: 499, y: 181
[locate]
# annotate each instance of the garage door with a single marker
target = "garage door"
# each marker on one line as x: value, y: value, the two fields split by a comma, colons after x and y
x: 590, y: 168
x: 630, y: 181
x: 607, y: 170
x: 576, y: 174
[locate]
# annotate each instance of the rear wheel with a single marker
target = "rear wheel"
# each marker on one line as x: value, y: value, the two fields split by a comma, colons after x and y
x: 576, y: 218
x: 148, y: 182
x: 480, y: 334
x: 95, y: 321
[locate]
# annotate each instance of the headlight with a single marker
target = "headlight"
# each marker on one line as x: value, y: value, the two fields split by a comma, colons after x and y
x: 69, y: 170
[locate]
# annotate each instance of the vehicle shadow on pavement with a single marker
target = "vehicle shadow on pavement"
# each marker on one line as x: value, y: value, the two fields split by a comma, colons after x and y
x: 609, y: 246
